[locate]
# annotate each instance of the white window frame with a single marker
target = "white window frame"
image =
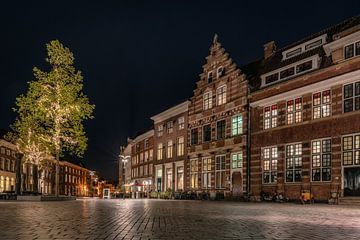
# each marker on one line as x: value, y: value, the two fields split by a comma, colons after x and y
x: 207, y: 100
x: 194, y: 173
x: 322, y: 104
x: 271, y: 159
x: 239, y: 125
x: 221, y: 95
x: 321, y: 154
x: 295, y: 112
x: 238, y: 160
x: 169, y: 149
x: 206, y: 172
x: 273, y: 116
x: 181, y: 122
x: 221, y: 171
x: 295, y: 155
x: 180, y: 146
x: 160, y: 151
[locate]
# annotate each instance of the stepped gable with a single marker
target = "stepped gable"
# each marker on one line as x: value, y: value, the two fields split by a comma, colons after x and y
x: 264, y: 65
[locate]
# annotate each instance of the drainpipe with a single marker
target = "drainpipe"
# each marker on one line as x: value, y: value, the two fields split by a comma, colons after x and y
x: 248, y: 146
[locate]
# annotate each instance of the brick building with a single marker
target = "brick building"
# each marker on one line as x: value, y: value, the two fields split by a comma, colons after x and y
x: 142, y: 164
x: 74, y: 180
x: 218, y: 127
x: 170, y: 143
x: 7, y: 166
x: 304, y: 103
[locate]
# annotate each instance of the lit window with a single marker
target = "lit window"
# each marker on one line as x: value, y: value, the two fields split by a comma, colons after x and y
x: 270, y: 159
x: 221, y: 95
x: 351, y: 150
x: 236, y: 125
x: 160, y: 151
x: 169, y: 127
x: 207, y: 100
x: 220, y: 171
x: 160, y: 130
x: 181, y: 122
x: 294, y: 111
x: 180, y: 146
x: 146, y: 143
x: 206, y: 172
x: 321, y: 104
x: 352, y: 97
x: 293, y: 162
x: 237, y: 160
x: 270, y: 117
x: 169, y: 149
x: 321, y: 160
x: 194, y: 173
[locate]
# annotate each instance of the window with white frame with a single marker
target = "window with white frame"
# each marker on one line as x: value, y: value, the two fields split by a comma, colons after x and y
x: 293, y: 162
x: 194, y: 173
x: 294, y: 111
x: 169, y: 177
x: 221, y: 95
x: 169, y: 153
x: 210, y: 77
x: 150, y: 155
x: 180, y: 146
x: 181, y: 122
x: 146, y: 143
x: 352, y: 97
x: 352, y: 50
x: 160, y: 151
x: 180, y: 178
x: 207, y: 100
x: 220, y: 171
x: 321, y: 104
x: 169, y: 127
x: 237, y: 160
x: 351, y: 150
x: 270, y: 116
x: 146, y: 156
x: 220, y: 72
x: 321, y: 160
x: 270, y: 159
x: 220, y: 129
x: 206, y: 172
x: 237, y: 125
x: 160, y: 130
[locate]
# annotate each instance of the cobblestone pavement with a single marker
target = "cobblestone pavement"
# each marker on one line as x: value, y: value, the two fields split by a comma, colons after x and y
x: 166, y: 219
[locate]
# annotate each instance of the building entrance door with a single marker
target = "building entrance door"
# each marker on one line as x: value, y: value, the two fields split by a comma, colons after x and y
x: 236, y: 184
x: 352, y: 181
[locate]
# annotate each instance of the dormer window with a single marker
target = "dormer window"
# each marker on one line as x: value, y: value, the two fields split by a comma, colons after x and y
x: 352, y: 50
x: 210, y: 77
x: 304, y: 47
x: 220, y: 72
x: 293, y: 53
x: 207, y: 100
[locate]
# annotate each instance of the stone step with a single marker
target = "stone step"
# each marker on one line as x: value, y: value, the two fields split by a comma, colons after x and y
x: 349, y: 201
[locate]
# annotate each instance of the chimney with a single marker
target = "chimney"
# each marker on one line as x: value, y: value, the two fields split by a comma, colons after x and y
x: 269, y: 49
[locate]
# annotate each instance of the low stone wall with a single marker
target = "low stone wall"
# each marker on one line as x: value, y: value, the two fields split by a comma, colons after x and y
x: 46, y: 198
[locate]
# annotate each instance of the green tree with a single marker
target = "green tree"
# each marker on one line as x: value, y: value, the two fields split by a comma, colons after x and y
x: 58, y: 105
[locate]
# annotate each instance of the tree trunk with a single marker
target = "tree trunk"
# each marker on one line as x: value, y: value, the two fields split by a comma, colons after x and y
x: 35, y: 179
x: 18, y: 174
x: 57, y: 175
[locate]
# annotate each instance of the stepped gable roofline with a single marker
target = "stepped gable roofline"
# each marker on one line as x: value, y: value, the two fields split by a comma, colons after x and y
x: 171, y: 112
x: 255, y: 69
x: 144, y: 136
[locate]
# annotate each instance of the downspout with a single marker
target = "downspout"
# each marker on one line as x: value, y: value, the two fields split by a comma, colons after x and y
x: 248, y: 145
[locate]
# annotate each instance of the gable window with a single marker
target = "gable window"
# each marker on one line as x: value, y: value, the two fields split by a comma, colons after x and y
x: 321, y: 160
x: 206, y: 172
x: 210, y: 77
x: 237, y: 160
x: 352, y: 97
x: 160, y: 130
x: 160, y: 151
x: 169, y: 127
x: 194, y: 173
x: 207, y: 133
x: 270, y: 159
x: 287, y: 73
x: 220, y: 171
x: 180, y: 146
x: 293, y: 162
x: 194, y: 136
x: 237, y: 125
x: 169, y: 149
x: 220, y: 72
x: 221, y: 95
x: 181, y: 122
x: 321, y: 104
x: 294, y: 111
x: 352, y: 50
x: 351, y: 150
x: 220, y: 129
x: 293, y: 53
x: 207, y: 100
x: 270, y: 116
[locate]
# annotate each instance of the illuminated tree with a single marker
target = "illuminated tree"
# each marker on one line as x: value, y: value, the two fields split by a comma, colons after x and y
x: 58, y: 107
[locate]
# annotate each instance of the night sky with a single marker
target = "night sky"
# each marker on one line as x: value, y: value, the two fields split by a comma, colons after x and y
x: 140, y: 57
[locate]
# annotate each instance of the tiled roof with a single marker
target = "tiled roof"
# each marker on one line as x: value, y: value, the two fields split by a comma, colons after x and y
x: 261, y: 66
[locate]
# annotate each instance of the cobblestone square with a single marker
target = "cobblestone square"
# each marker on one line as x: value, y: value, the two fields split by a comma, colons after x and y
x: 167, y: 219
